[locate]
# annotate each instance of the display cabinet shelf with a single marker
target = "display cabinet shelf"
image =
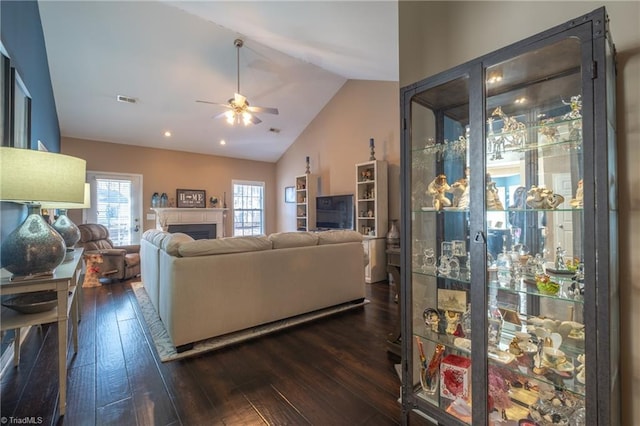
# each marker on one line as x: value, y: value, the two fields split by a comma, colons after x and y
x: 510, y: 285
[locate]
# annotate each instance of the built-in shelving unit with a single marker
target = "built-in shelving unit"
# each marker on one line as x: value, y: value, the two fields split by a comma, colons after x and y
x: 371, y: 215
x: 306, y: 192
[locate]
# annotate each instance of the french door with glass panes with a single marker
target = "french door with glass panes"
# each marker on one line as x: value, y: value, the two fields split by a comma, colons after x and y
x: 116, y: 202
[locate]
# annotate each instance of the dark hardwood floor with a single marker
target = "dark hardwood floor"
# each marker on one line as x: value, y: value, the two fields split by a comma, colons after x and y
x: 333, y: 371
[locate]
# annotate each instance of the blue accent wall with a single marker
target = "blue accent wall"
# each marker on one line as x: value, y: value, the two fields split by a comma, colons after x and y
x: 23, y: 38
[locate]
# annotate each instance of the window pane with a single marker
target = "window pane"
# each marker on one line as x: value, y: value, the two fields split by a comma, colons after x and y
x: 248, y: 208
x: 114, y: 209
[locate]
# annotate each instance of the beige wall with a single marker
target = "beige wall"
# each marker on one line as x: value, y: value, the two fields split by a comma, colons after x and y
x: 435, y: 36
x: 338, y: 138
x: 165, y: 171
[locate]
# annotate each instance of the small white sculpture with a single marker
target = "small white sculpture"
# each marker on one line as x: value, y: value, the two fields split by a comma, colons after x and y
x: 437, y: 189
x: 460, y: 191
x: 493, y: 198
x: 577, y: 202
x: 543, y: 198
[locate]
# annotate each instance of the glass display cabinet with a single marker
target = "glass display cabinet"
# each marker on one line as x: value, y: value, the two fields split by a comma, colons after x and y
x: 509, y: 276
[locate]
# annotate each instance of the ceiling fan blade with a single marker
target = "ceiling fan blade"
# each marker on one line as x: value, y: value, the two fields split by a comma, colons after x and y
x: 268, y: 110
x: 220, y: 115
x: 214, y: 103
x: 255, y: 120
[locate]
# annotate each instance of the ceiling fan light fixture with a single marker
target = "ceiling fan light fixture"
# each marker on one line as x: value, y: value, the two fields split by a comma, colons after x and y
x: 239, y: 108
x: 246, y: 118
x: 230, y: 116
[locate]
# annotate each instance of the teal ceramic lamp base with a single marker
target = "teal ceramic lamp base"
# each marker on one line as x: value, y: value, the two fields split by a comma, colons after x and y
x: 34, y: 248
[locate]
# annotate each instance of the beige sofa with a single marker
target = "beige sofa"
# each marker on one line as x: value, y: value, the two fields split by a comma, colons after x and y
x: 208, y: 288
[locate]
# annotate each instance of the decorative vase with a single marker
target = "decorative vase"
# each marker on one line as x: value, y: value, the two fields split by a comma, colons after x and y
x: 34, y: 247
x: 164, y: 200
x: 393, y: 236
x: 155, y: 200
x: 430, y: 374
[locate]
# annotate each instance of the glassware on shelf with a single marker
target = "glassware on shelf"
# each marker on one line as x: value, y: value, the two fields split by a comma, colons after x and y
x: 429, y: 264
x: 430, y: 373
x: 495, y: 323
x: 466, y: 322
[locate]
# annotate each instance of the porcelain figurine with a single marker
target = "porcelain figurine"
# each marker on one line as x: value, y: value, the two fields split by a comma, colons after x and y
x: 437, y: 189
x: 493, y: 198
x: 460, y: 191
x: 543, y: 199
x: 577, y: 201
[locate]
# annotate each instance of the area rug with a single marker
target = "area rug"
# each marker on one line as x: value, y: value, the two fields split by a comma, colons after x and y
x: 167, y: 351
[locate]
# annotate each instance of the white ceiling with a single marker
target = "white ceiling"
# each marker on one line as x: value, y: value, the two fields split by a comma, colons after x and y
x: 297, y: 55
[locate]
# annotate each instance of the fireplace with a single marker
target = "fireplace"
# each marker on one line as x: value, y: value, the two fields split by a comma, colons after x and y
x: 197, y: 231
x: 199, y: 223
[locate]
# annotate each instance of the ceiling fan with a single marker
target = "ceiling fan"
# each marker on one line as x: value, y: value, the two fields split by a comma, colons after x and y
x: 239, y: 109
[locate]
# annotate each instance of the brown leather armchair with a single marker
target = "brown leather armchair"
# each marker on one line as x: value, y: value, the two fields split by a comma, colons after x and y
x: 119, y: 262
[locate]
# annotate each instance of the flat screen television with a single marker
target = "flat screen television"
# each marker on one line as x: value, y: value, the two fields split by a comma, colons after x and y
x: 335, y: 212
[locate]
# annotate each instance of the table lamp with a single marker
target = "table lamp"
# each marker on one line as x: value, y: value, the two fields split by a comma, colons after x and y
x: 66, y: 228
x: 34, y: 177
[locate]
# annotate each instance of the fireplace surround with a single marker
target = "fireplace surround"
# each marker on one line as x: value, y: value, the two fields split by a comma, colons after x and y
x: 172, y: 220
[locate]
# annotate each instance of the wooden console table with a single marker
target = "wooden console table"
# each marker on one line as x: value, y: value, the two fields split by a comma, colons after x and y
x: 65, y: 281
x: 394, y: 339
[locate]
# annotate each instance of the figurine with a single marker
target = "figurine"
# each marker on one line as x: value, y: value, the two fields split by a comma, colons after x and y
x: 517, y: 218
x: 576, y: 107
x: 577, y: 201
x: 431, y: 319
x: 543, y: 198
x: 453, y: 320
x: 460, y: 191
x: 493, y: 198
x: 559, y: 263
x: 548, y: 131
x: 437, y: 189
x: 514, y: 346
x: 513, y: 131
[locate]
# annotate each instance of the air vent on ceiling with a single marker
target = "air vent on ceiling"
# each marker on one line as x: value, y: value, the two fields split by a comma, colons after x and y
x: 126, y: 99
x: 274, y: 130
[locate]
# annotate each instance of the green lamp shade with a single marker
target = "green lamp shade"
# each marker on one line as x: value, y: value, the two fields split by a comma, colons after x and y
x: 36, y: 177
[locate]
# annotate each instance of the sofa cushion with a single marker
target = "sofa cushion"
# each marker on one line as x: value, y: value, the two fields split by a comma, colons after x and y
x: 225, y: 245
x: 293, y: 239
x: 338, y: 236
x: 159, y: 238
x: 172, y: 242
x: 150, y: 234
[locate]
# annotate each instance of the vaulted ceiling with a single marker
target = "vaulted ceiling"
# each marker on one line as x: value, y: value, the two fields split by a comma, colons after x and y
x: 167, y: 55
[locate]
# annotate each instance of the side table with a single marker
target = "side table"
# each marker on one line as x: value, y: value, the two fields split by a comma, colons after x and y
x: 394, y: 339
x: 65, y: 281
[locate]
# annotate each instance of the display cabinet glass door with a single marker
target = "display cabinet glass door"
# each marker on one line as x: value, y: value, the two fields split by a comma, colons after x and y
x: 534, y: 217
x: 439, y: 249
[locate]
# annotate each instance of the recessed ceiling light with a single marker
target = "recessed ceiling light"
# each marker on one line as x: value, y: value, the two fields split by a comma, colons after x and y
x: 223, y: 142
x: 167, y: 134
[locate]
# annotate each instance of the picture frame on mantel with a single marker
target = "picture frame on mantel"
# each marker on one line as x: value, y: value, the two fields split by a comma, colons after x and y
x: 191, y: 198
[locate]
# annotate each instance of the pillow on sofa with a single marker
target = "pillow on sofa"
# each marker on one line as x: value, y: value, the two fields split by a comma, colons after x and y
x: 225, y: 245
x: 338, y: 236
x: 293, y: 239
x: 172, y: 242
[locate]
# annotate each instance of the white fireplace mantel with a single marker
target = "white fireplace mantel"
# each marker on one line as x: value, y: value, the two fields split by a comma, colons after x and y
x: 166, y: 216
